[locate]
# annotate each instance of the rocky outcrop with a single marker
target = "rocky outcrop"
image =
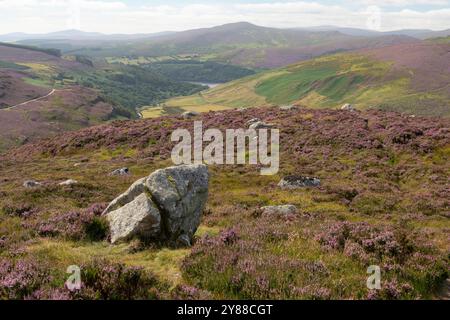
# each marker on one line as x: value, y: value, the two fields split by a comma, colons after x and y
x: 295, y: 182
x: 166, y: 206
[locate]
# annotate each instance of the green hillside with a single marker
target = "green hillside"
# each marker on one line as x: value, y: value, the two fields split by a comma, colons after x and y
x: 387, y: 78
x: 242, y: 44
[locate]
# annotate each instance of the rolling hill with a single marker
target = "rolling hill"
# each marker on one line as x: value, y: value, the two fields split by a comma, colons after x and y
x: 411, y: 77
x: 421, y: 34
x: 42, y: 94
x: 240, y: 43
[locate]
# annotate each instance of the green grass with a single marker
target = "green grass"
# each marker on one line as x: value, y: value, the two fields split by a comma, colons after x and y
x: 326, y: 82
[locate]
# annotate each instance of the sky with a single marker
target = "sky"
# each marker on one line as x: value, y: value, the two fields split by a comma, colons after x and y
x: 149, y: 16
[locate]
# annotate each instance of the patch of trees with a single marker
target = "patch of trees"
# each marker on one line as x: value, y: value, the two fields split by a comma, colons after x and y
x: 131, y: 87
x: 199, y: 71
x: 84, y: 60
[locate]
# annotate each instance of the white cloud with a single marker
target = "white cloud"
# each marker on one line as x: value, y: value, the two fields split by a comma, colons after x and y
x: 117, y: 17
x: 405, y: 3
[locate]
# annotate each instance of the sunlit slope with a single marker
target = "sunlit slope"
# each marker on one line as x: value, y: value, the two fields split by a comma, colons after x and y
x: 407, y: 78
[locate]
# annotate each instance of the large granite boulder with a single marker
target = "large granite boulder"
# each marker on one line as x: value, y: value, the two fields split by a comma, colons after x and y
x: 166, y: 206
x: 138, y: 218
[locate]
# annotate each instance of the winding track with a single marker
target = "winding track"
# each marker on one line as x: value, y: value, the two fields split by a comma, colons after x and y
x: 32, y: 100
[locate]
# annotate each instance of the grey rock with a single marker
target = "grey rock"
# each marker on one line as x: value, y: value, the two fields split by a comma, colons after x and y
x: 135, y: 190
x: 31, y: 184
x: 166, y: 205
x: 288, y: 107
x: 252, y: 121
x: 120, y: 172
x: 284, y: 209
x: 69, y: 182
x: 189, y: 114
x: 138, y: 218
x: 260, y: 125
x: 347, y: 107
x: 295, y: 182
x: 181, y: 193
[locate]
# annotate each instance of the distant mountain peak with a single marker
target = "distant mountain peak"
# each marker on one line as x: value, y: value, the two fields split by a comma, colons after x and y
x: 237, y: 25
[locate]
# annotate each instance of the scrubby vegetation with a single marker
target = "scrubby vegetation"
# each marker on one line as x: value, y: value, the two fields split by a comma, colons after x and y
x: 383, y: 201
x: 198, y: 71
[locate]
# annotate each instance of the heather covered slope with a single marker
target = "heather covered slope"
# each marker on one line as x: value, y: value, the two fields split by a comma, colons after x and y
x: 412, y: 78
x: 42, y: 94
x: 384, y: 200
x: 26, y: 73
x: 33, y: 105
x: 65, y: 109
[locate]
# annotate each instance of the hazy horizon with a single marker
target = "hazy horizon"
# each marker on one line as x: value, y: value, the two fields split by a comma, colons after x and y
x: 138, y: 16
x: 212, y: 26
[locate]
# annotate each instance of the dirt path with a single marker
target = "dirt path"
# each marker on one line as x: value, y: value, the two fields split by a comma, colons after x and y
x: 32, y: 100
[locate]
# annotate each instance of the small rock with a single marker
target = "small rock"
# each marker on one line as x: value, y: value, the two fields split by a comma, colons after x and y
x: 260, y: 125
x: 284, y: 210
x: 69, y: 182
x: 120, y: 172
x: 288, y: 107
x: 31, y: 184
x: 347, y: 107
x: 252, y: 121
x: 295, y: 182
x: 189, y: 114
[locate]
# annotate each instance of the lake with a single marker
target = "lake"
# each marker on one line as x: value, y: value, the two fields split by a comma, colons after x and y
x: 209, y: 85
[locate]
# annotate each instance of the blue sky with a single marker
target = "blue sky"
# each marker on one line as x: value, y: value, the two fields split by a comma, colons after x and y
x: 147, y: 16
